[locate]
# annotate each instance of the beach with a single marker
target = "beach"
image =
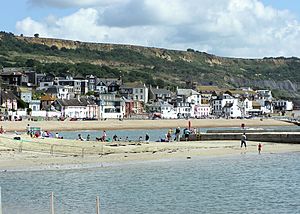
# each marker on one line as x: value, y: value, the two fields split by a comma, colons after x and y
x: 137, y: 124
x: 51, y: 153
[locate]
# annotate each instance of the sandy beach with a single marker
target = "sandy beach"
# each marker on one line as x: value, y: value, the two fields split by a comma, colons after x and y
x: 45, y: 154
x: 137, y: 124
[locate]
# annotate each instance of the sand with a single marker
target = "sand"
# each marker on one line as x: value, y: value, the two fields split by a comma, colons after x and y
x: 53, y: 154
x: 137, y: 124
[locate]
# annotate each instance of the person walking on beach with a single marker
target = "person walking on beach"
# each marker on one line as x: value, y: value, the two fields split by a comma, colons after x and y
x: 147, y: 137
x: 104, y: 136
x: 88, y: 137
x: 259, y: 148
x: 177, y: 134
x: 243, y: 141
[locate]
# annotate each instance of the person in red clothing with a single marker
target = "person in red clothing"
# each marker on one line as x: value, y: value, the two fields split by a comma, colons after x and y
x: 259, y: 148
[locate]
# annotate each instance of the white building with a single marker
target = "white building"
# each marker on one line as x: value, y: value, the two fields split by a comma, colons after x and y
x: 284, y: 105
x: 202, y: 111
x: 111, y: 108
x: 219, y: 102
x: 77, y: 108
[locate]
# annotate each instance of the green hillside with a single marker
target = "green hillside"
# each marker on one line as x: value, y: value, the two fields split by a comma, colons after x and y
x: 162, y: 67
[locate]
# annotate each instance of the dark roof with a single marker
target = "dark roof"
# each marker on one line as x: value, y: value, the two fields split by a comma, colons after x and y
x: 8, y: 95
x: 83, y: 101
x: 160, y: 91
x: 52, y: 90
x: 228, y: 105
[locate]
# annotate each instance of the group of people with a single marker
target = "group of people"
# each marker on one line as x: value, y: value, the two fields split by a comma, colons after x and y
x: 243, y: 143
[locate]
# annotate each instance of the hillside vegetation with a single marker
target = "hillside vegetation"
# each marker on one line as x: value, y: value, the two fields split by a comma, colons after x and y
x: 156, y: 66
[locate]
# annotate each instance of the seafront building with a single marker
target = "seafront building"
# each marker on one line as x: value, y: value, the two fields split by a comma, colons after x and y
x: 25, y: 92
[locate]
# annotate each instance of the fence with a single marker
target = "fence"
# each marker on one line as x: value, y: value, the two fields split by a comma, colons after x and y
x: 96, y: 148
x: 54, y: 199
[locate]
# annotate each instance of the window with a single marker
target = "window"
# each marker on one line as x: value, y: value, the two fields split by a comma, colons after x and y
x: 141, y: 97
x: 141, y: 90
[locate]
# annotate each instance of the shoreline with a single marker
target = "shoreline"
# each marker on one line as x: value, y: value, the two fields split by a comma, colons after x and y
x: 11, y: 126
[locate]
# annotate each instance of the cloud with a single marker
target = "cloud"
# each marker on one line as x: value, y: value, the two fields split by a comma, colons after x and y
x: 72, y: 3
x: 239, y: 28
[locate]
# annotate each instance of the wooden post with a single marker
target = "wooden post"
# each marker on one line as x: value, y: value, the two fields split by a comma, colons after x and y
x: 52, y: 149
x: 0, y: 202
x: 82, y: 152
x: 52, y: 203
x: 21, y: 147
x: 97, y: 205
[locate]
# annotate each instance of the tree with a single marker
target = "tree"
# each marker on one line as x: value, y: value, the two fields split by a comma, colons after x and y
x: 36, y: 35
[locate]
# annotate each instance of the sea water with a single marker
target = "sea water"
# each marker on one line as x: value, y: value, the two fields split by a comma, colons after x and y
x: 155, y: 134
x: 245, y: 183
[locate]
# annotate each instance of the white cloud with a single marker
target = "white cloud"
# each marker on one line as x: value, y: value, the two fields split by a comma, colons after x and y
x: 72, y: 3
x: 241, y: 28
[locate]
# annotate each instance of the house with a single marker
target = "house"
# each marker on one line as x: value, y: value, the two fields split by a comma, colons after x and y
x: 135, y: 91
x: 80, y: 86
x: 25, y: 94
x: 111, y: 107
x: 246, y: 106
x: 101, y: 87
x: 61, y: 92
x: 189, y: 95
x: 13, y: 77
x: 91, y: 82
x: 108, y: 85
x: 283, y: 105
x: 183, y: 109
x: 35, y: 105
x: 217, y: 104
x: 46, y: 101
x: 8, y: 100
x: 77, y: 108
x: 129, y: 107
x: 232, y: 109
x: 202, y: 111
x: 157, y: 94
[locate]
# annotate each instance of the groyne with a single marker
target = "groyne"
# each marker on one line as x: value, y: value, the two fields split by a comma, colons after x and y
x: 275, y: 137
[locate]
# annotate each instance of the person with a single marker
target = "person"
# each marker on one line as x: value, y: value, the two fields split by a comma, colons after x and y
x: 104, y: 136
x: 126, y: 139
x: 115, y: 137
x: 1, y: 130
x: 186, y: 134
x: 177, y: 134
x: 140, y: 139
x: 169, y: 134
x: 243, y: 140
x: 56, y: 135
x: 79, y: 137
x: 259, y: 148
x: 28, y: 129
x: 88, y: 137
x: 147, y: 137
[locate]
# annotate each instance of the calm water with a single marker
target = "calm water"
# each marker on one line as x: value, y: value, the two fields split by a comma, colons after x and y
x: 246, y: 183
x: 155, y: 134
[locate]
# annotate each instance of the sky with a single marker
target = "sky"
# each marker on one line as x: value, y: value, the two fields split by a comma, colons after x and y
x: 231, y: 28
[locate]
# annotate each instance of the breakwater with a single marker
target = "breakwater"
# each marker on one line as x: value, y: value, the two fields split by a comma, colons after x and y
x: 275, y: 137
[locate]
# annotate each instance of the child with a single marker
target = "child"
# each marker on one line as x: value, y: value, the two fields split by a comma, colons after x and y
x: 259, y: 148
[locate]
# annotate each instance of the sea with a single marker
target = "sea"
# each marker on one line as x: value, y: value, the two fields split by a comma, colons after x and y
x: 243, y: 183
x: 155, y: 134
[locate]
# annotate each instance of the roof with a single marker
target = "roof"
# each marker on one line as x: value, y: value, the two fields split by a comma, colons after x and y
x: 52, y: 90
x: 133, y: 85
x: 255, y: 104
x: 47, y: 97
x: 228, y: 105
x: 187, y: 92
x: 160, y: 91
x: 8, y: 95
x: 83, y: 101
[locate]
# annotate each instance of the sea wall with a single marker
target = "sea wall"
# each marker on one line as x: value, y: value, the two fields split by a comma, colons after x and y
x: 282, y: 137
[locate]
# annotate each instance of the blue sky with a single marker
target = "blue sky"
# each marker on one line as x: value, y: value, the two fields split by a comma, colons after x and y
x: 238, y: 28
